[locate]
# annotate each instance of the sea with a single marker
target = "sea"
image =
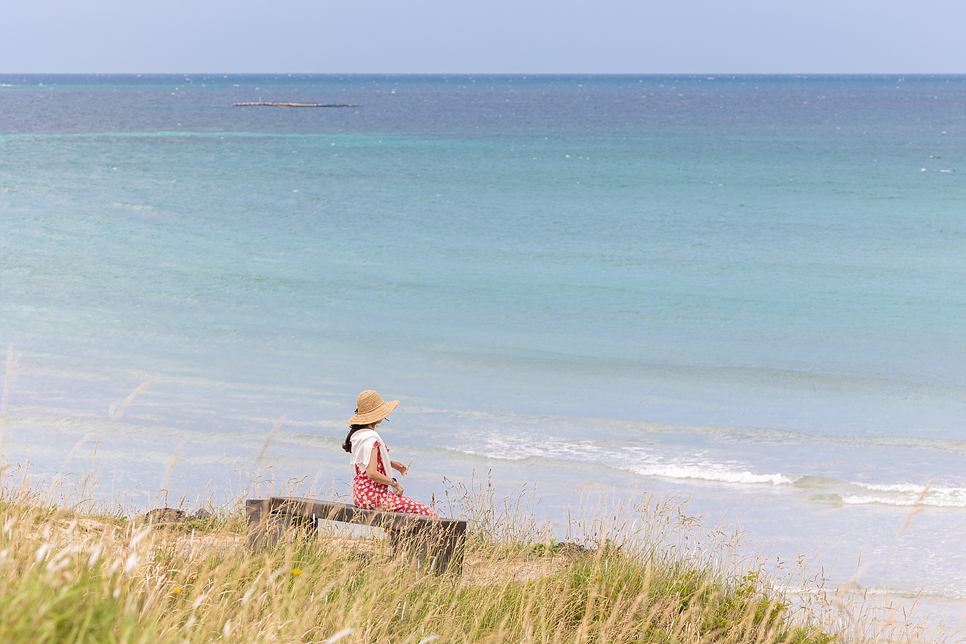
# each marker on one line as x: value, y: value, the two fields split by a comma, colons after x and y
x: 744, y: 292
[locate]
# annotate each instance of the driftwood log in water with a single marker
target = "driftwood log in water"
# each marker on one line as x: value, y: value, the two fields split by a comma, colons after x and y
x: 274, y: 104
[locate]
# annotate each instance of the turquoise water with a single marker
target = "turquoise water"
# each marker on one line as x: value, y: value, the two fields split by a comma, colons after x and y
x: 746, y: 290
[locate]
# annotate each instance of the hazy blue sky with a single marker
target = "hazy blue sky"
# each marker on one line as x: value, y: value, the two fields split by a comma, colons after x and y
x: 604, y: 36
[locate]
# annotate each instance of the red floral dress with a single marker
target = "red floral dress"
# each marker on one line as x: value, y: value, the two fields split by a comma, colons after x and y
x: 368, y: 494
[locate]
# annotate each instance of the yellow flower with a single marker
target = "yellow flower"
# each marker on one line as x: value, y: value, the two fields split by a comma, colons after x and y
x: 296, y: 572
x: 176, y: 590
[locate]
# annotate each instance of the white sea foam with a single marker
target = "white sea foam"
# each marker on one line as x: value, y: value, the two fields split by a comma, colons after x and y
x: 487, y: 455
x: 522, y: 447
x: 905, y: 501
x: 711, y: 472
x: 639, y: 460
x: 907, y: 494
x: 911, y: 488
x: 132, y: 206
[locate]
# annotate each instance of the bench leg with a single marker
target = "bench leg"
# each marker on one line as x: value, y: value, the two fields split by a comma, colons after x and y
x: 452, y: 545
x: 256, y: 512
x: 265, y: 528
x: 439, y: 549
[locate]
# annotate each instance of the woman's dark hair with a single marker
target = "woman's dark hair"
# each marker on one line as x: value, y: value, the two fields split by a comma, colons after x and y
x: 347, y: 445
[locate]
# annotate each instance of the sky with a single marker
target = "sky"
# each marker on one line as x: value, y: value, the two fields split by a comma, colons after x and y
x: 491, y: 36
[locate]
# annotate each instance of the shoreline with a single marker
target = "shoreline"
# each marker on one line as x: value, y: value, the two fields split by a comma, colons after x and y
x: 508, y: 551
x: 755, y: 514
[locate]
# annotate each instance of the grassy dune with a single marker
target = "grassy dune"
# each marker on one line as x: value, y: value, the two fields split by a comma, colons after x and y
x: 70, y: 576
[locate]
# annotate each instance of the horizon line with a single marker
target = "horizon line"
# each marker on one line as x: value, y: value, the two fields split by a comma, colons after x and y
x: 282, y: 73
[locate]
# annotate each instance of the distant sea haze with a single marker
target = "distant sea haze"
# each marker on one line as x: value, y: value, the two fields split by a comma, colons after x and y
x: 745, y: 290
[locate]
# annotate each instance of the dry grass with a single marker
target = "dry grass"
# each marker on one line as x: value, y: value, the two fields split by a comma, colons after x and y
x: 644, y: 571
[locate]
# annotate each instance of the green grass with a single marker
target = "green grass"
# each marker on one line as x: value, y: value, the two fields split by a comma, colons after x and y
x: 70, y: 578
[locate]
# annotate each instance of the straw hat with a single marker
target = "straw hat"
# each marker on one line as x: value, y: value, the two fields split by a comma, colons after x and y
x: 370, y: 407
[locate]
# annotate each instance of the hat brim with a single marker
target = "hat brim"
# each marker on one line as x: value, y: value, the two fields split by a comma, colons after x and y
x: 378, y: 413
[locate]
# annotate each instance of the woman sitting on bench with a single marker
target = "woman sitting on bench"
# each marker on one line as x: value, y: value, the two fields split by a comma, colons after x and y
x: 372, y: 483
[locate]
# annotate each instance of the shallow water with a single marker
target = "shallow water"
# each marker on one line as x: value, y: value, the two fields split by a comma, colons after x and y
x: 744, y: 290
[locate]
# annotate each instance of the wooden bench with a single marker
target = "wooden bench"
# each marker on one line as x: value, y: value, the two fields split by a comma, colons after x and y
x: 433, y: 541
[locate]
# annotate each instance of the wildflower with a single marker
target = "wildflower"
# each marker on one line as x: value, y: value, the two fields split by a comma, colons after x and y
x: 296, y: 571
x: 176, y: 590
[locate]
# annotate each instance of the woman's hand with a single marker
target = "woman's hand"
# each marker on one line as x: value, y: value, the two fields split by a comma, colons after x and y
x: 399, y: 467
x: 397, y: 488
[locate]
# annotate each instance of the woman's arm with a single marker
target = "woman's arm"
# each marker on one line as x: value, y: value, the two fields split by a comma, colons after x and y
x: 399, y: 467
x: 372, y: 471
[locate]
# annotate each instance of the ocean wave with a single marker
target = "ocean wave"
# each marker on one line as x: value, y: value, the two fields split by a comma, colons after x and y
x: 132, y: 206
x: 644, y: 430
x: 641, y: 460
x: 902, y: 502
x: 711, y: 473
x: 908, y: 495
x: 867, y: 591
x: 499, y: 457
x: 525, y: 446
x: 909, y: 488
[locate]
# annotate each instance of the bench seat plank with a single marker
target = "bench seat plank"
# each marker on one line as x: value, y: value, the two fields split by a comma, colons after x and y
x: 348, y: 513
